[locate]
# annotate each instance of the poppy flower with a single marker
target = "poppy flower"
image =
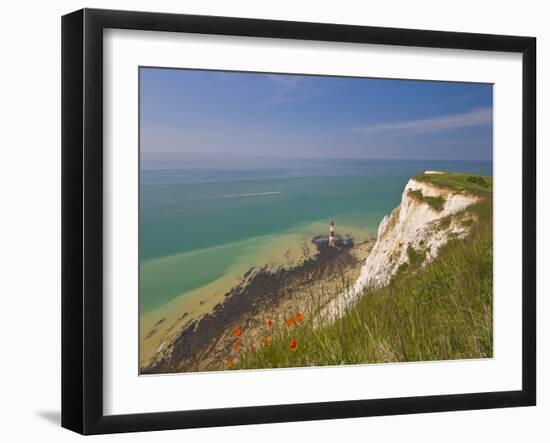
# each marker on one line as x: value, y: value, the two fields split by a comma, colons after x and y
x: 269, y: 323
x: 236, y: 346
x: 299, y: 317
x: 293, y: 345
x: 229, y: 362
x: 237, y: 332
x: 290, y: 321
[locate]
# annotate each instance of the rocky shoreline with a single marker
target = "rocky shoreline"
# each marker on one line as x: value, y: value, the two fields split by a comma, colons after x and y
x: 263, y: 294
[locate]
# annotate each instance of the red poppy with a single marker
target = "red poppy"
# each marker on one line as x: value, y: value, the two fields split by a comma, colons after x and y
x: 236, y: 346
x: 237, y: 332
x: 290, y: 321
x: 269, y: 323
x: 299, y: 317
x: 229, y: 362
x: 293, y: 345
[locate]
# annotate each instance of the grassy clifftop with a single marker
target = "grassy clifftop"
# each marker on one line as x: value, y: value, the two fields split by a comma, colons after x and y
x: 443, y: 310
x: 473, y: 184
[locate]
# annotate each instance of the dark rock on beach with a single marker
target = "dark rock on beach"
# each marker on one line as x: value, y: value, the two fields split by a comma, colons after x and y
x: 342, y: 241
x: 159, y: 322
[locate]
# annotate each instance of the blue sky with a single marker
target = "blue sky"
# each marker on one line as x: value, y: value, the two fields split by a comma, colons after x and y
x: 230, y: 113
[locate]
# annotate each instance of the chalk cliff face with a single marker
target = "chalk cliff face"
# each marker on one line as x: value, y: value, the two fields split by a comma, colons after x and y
x: 418, y: 228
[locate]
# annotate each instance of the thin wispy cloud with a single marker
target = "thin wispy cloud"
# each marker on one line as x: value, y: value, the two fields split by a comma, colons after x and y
x: 476, y: 117
x: 289, y: 81
x: 289, y: 89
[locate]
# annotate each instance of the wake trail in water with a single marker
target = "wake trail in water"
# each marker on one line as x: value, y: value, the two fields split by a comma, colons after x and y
x: 251, y: 194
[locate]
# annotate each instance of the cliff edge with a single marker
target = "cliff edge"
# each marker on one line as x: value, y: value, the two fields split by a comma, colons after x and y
x: 412, y: 235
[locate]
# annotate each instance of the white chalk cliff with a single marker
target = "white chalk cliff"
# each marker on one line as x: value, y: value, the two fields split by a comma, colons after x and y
x: 413, y: 224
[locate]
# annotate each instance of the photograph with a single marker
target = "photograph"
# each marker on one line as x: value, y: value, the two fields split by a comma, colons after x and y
x: 292, y: 220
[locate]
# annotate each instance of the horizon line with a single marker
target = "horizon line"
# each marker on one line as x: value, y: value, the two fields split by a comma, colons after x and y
x: 213, y: 154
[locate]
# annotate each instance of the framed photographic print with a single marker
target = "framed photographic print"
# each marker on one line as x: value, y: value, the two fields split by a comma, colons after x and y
x: 270, y: 221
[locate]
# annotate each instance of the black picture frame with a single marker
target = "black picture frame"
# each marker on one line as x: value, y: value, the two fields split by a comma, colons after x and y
x: 82, y: 220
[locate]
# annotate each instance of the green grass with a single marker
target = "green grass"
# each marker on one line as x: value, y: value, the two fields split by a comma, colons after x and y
x: 437, y: 312
x: 445, y: 222
x: 436, y: 203
x: 416, y: 257
x: 480, y: 181
x: 475, y: 184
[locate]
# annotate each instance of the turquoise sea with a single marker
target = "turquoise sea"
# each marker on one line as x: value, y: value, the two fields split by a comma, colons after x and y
x: 203, y: 216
